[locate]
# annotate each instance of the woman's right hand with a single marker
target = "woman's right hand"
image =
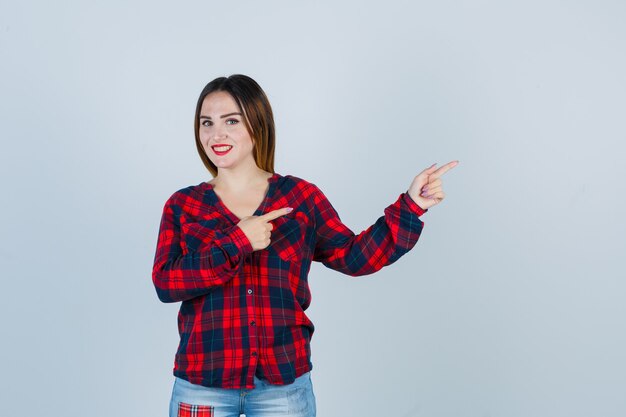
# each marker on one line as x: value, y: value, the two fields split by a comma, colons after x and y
x: 258, y: 228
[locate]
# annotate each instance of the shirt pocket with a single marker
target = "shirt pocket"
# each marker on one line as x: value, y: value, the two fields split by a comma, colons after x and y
x: 197, y: 234
x: 288, y: 236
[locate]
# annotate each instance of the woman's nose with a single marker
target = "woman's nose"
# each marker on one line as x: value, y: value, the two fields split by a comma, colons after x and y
x: 219, y: 133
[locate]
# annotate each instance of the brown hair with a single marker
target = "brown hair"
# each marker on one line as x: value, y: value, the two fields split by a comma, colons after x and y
x: 257, y: 116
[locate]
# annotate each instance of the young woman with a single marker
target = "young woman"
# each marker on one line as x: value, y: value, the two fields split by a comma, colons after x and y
x: 236, y: 251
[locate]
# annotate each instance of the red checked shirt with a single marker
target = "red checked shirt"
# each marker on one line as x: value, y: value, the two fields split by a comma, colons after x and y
x: 243, y: 311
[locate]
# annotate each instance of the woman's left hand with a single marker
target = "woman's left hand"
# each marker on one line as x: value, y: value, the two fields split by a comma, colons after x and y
x: 425, y: 189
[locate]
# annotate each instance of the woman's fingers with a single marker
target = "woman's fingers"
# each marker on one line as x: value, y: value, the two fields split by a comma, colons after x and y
x: 275, y: 214
x: 426, y: 188
x: 430, y: 192
x: 442, y: 170
x: 429, y: 170
x: 433, y: 188
x: 438, y: 196
x: 431, y: 185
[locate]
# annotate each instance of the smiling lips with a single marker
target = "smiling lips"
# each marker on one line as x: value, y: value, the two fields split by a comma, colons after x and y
x: 221, y: 149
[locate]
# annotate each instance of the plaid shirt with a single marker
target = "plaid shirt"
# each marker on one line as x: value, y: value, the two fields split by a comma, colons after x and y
x: 242, y: 311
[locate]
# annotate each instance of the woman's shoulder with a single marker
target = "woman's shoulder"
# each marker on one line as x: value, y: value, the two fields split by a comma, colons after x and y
x: 299, y: 182
x: 304, y: 189
x: 185, y: 194
x: 294, y: 179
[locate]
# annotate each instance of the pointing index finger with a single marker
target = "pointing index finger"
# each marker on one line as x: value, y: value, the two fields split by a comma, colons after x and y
x: 442, y: 170
x: 276, y: 213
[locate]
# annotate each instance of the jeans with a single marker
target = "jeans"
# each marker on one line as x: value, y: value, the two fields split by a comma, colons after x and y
x: 265, y: 400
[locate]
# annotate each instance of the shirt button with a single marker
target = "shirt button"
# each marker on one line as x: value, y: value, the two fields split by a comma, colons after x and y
x: 254, y: 354
x: 252, y: 323
x: 249, y: 291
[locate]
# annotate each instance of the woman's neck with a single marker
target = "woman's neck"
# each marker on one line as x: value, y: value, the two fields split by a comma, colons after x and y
x: 240, y: 180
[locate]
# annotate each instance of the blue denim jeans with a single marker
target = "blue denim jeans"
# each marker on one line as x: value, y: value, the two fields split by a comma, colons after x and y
x: 265, y: 400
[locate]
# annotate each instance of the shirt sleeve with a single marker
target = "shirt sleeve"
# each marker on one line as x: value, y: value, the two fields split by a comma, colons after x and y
x: 179, y: 277
x: 381, y: 244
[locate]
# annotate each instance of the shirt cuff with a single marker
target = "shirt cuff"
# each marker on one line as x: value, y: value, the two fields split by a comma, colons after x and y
x: 413, y: 205
x: 240, y: 239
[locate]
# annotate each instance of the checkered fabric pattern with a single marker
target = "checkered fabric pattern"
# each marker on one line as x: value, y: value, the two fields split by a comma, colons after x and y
x: 243, y: 311
x: 191, y: 410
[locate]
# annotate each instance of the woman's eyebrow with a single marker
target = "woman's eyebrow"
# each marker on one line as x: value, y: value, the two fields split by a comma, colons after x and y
x: 222, y: 116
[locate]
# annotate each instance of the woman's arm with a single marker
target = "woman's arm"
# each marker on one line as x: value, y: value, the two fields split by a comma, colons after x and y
x: 179, y: 277
x: 381, y: 244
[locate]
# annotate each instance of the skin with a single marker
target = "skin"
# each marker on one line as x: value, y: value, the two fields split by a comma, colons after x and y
x: 238, y: 174
x: 236, y: 170
x: 426, y: 188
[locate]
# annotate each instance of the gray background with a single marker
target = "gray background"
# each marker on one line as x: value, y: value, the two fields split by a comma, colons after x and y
x: 512, y: 302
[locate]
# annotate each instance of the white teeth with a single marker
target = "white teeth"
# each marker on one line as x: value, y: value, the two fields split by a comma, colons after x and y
x: 222, y: 148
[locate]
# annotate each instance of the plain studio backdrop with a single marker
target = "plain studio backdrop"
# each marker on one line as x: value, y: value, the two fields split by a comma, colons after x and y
x: 511, y: 304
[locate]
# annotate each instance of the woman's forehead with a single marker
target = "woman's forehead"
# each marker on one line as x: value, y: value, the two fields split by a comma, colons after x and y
x: 219, y: 96
x: 219, y: 101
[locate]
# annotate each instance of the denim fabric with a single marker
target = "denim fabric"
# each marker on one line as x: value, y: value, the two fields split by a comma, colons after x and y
x: 265, y: 400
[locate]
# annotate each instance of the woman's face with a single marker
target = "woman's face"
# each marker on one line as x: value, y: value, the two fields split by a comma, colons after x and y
x: 221, y: 123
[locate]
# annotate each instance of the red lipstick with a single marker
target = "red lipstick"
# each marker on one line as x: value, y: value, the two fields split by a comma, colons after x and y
x: 220, y: 153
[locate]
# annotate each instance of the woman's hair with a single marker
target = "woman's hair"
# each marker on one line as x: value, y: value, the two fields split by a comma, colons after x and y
x: 257, y: 116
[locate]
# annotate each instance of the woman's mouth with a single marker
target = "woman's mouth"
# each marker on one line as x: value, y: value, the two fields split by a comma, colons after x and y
x: 221, y: 149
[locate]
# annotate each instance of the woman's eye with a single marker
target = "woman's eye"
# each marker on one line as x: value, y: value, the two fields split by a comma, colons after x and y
x: 209, y: 123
